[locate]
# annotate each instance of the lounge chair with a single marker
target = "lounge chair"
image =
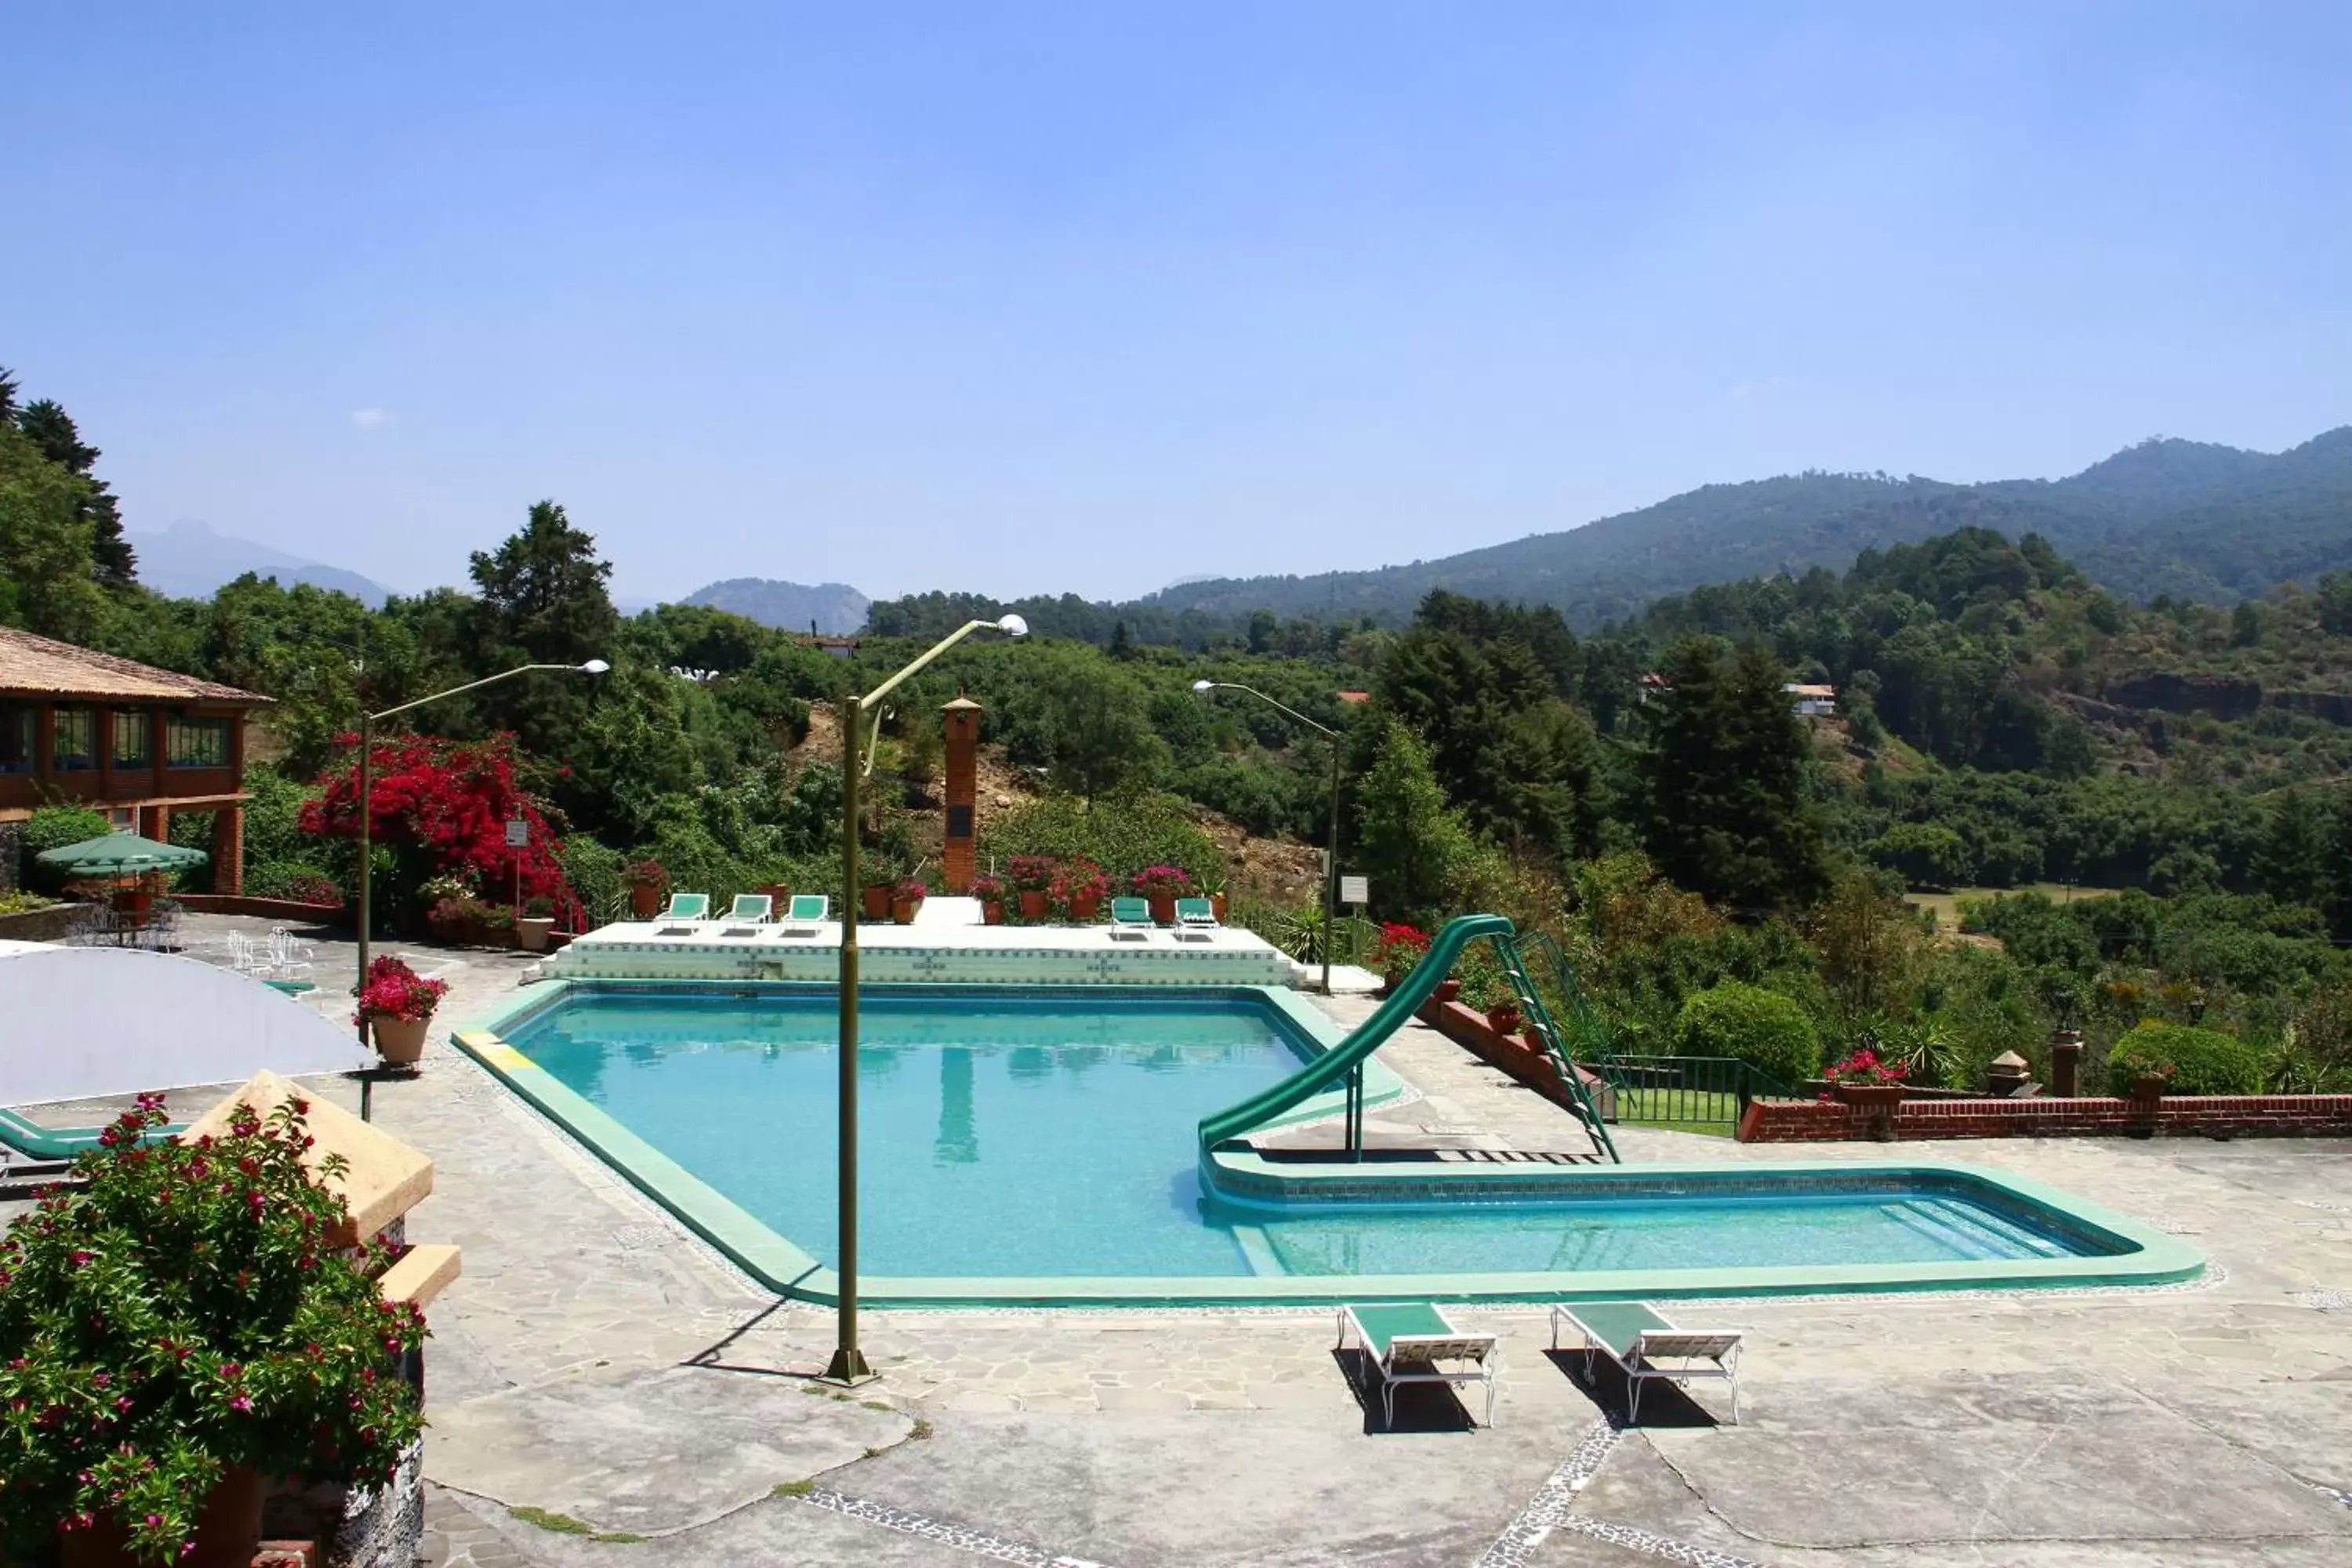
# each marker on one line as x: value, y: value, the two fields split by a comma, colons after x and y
x: 809, y: 908
x: 1642, y: 1342
x: 1195, y: 915
x: 1131, y: 916
x: 685, y: 909
x: 752, y: 908
x: 1407, y: 1342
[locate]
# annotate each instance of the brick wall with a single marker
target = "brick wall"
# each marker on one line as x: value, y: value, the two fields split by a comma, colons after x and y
x: 2175, y: 1116
x: 1521, y: 1055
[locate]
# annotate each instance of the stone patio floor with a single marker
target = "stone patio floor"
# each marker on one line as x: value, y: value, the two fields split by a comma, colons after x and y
x: 598, y: 1375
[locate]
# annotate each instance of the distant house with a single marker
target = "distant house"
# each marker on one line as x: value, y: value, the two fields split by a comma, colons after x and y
x: 1353, y: 696
x: 1812, y: 701
x: 1653, y: 684
x: 134, y: 741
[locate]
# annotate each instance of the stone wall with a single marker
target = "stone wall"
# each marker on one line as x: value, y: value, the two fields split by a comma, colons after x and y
x: 2174, y: 1116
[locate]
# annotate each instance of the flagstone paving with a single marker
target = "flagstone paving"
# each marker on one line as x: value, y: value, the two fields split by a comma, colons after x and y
x: 597, y: 1372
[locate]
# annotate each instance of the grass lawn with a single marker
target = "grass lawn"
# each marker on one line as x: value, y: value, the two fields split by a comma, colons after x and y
x: 1948, y: 905
x: 1711, y: 1111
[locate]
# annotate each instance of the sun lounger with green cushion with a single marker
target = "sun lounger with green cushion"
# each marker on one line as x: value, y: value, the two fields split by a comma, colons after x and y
x: 1131, y: 914
x: 752, y: 908
x: 1416, y: 1342
x: 686, y: 909
x: 1195, y: 914
x: 808, y: 908
x: 1643, y: 1345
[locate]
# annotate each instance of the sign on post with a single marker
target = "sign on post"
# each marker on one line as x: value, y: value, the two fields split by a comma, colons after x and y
x: 517, y: 833
x: 1355, y: 890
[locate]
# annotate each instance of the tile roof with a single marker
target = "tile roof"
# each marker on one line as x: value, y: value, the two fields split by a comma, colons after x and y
x: 39, y: 666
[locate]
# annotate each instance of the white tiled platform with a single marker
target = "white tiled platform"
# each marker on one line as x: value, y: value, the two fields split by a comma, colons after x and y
x: 930, y: 949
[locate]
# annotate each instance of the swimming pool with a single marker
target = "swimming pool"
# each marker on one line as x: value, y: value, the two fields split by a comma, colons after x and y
x: 1038, y: 1144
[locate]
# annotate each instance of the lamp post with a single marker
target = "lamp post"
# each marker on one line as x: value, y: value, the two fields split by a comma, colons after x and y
x: 1331, y: 841
x: 367, y: 783
x: 848, y: 1363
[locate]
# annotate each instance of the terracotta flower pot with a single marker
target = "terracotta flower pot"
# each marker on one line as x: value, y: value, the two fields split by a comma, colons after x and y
x: 1447, y: 990
x: 398, y: 1040
x: 992, y: 912
x: 1033, y: 903
x: 2149, y: 1086
x: 1217, y: 907
x: 1086, y: 907
x: 903, y: 909
x: 228, y: 1528
x: 1868, y: 1096
x: 877, y: 900
x: 1502, y: 1020
x: 134, y: 900
x: 645, y: 900
x: 1164, y: 908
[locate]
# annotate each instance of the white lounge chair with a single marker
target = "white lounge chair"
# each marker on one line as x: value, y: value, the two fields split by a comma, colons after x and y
x: 804, y: 914
x: 752, y: 908
x: 1643, y: 1345
x: 684, y: 912
x: 1410, y: 1342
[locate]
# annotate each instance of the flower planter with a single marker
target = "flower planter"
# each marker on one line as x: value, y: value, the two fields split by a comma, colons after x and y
x: 877, y: 900
x: 134, y: 900
x: 2149, y: 1087
x: 1504, y: 1021
x: 533, y: 933
x: 992, y: 912
x: 1217, y: 907
x: 228, y: 1528
x: 1868, y: 1096
x: 1164, y: 908
x: 903, y: 909
x: 1033, y: 903
x: 399, y: 1041
x: 1085, y: 907
x: 645, y: 900
x: 1447, y: 990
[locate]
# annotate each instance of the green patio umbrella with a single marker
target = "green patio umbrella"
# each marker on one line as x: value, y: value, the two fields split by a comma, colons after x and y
x: 119, y: 855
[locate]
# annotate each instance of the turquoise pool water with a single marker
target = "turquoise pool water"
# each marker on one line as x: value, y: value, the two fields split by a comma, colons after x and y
x: 1051, y: 1134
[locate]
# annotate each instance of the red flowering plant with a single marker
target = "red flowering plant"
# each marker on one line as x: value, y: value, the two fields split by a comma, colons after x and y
x: 1866, y: 1066
x: 444, y: 805
x: 645, y: 874
x: 1080, y: 879
x: 395, y: 991
x: 185, y: 1313
x: 1030, y: 873
x: 1400, y: 948
x: 1163, y: 881
x: 909, y: 890
x: 987, y: 889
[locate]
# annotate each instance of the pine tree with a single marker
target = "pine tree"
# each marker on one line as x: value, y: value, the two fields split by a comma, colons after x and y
x: 47, y: 426
x: 1411, y: 843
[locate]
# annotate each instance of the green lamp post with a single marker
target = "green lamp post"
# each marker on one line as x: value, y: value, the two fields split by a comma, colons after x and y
x: 1331, y: 840
x: 848, y: 1363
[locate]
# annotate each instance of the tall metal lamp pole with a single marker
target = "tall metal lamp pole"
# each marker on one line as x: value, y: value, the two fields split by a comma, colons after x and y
x: 848, y: 1363
x: 1331, y: 840
x: 367, y: 783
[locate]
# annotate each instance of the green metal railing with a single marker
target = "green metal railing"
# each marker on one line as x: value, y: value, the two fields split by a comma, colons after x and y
x: 1692, y: 1094
x: 1539, y: 1019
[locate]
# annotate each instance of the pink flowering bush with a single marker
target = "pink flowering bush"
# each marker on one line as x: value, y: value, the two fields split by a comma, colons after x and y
x: 185, y: 1313
x: 1165, y: 882
x: 395, y: 991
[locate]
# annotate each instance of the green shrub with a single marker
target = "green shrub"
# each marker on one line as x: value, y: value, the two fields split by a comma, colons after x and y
x: 54, y: 828
x: 1121, y: 834
x: 2200, y: 1062
x: 1763, y: 1029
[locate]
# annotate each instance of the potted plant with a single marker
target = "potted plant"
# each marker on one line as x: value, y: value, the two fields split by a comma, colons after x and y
x: 1401, y: 947
x: 537, y: 923
x: 1081, y: 889
x: 1213, y: 886
x: 396, y: 1004
x: 990, y: 892
x: 1161, y: 886
x: 646, y: 879
x: 906, y: 898
x: 1491, y: 994
x: 1867, y: 1080
x: 179, y: 1331
x: 1032, y: 877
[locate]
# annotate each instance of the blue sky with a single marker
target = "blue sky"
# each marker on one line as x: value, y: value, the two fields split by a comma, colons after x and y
x: 1043, y: 297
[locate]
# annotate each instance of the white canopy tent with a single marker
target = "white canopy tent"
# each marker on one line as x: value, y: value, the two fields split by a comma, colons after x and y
x: 82, y: 1023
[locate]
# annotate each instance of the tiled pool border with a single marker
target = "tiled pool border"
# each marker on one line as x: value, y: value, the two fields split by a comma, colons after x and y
x: 2144, y: 1255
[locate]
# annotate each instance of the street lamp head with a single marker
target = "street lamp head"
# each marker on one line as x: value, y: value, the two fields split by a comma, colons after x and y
x: 1014, y: 626
x: 595, y: 667
x: 1204, y: 686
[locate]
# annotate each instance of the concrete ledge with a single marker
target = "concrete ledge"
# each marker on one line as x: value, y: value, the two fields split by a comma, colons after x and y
x: 51, y: 925
x: 420, y: 1275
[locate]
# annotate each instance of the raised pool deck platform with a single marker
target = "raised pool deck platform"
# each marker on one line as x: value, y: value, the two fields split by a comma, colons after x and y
x: 940, y: 947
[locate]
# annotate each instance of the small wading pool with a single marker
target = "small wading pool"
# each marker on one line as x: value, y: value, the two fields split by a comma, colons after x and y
x: 1038, y: 1144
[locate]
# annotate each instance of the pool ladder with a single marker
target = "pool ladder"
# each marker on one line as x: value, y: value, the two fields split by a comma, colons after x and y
x: 1539, y: 1019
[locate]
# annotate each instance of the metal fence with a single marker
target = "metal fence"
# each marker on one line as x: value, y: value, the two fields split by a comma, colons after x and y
x: 1699, y: 1094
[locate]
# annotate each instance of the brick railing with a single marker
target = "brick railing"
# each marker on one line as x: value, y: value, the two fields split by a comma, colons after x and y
x: 1523, y: 1056
x: 2173, y: 1116
x: 265, y: 909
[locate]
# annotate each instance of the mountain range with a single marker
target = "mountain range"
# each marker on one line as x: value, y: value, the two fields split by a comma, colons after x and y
x: 191, y: 560
x: 2190, y: 518
x: 790, y: 606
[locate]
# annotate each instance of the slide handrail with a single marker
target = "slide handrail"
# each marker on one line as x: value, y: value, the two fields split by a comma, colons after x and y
x: 1335, y: 1063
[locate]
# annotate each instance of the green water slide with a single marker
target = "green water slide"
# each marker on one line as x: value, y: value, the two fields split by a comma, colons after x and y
x: 1333, y: 1066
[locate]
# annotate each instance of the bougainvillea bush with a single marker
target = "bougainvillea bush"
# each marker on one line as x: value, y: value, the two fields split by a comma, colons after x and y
x: 446, y: 805
x: 394, y: 990
x: 183, y: 1314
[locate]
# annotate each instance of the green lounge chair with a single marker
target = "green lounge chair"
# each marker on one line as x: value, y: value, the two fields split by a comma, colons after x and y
x: 1635, y: 1336
x: 752, y: 908
x: 686, y: 909
x: 809, y: 908
x: 1131, y: 914
x: 1195, y: 914
x: 1407, y: 1342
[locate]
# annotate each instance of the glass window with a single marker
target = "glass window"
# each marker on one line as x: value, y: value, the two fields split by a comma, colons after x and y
x: 134, y: 738
x: 195, y: 743
x: 74, y: 745
x: 16, y: 729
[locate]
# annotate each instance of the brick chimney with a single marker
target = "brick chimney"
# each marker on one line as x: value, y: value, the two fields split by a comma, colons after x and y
x: 963, y: 717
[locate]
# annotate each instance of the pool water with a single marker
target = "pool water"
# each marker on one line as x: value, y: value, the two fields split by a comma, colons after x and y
x: 1053, y: 1135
